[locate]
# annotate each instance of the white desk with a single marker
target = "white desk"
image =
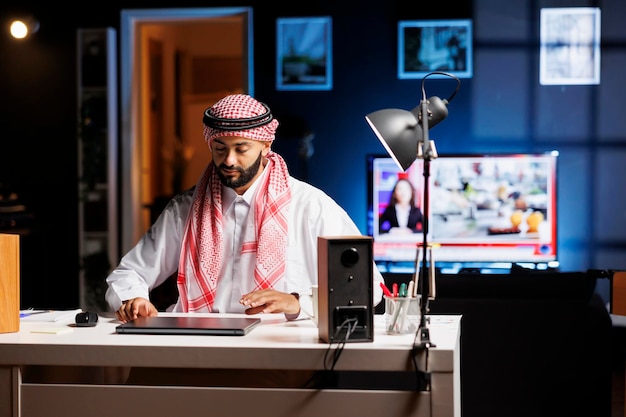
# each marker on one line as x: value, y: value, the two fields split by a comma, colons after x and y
x: 274, y: 344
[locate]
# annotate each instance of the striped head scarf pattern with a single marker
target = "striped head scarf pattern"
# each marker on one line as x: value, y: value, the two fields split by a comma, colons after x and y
x: 202, y: 245
x: 239, y: 115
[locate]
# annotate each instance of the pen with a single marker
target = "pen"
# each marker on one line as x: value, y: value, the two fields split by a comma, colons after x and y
x: 31, y: 314
x: 394, y: 321
x: 394, y: 290
x: 406, y: 306
x: 410, y: 289
x: 385, y: 290
x: 402, y: 292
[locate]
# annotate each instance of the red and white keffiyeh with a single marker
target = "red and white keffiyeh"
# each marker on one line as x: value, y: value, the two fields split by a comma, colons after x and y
x: 202, y: 245
x: 235, y: 114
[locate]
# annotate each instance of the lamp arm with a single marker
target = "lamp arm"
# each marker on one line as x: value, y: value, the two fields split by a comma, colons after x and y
x: 422, y: 337
x: 425, y: 142
x: 447, y: 74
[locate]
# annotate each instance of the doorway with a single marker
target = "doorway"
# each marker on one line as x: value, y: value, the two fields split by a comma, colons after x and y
x: 174, y: 64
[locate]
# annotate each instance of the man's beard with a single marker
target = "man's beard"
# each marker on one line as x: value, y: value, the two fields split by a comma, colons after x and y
x: 245, y: 175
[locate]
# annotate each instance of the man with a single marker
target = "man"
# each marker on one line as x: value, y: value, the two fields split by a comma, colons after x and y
x: 244, y: 239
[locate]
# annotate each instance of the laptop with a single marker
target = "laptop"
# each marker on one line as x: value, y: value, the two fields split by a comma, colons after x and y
x: 190, y: 325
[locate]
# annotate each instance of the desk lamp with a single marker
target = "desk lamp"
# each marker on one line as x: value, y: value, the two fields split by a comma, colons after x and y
x: 405, y: 136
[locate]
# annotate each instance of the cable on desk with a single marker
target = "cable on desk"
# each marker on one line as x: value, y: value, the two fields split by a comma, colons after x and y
x: 422, y: 377
x: 350, y: 325
x: 324, y: 378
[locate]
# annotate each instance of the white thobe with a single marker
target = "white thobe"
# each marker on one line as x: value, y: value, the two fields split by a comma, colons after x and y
x: 155, y: 257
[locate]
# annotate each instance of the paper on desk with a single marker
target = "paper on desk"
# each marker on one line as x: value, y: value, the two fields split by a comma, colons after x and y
x: 53, y: 330
x: 48, y: 315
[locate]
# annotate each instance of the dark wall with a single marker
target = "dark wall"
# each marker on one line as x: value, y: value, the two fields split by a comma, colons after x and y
x: 502, y: 108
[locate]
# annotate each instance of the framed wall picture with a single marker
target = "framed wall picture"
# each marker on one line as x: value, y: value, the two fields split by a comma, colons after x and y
x: 570, y: 46
x: 304, y: 53
x: 425, y: 46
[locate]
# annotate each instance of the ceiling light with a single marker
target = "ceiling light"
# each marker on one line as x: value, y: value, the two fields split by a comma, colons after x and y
x: 22, y: 28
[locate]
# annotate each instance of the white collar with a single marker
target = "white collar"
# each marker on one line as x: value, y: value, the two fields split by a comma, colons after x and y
x: 229, y: 196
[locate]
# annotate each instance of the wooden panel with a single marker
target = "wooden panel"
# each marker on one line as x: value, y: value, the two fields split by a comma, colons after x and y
x: 618, y: 293
x: 9, y: 283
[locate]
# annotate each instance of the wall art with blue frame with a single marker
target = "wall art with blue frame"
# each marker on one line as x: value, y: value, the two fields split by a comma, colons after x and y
x: 304, y: 53
x: 425, y: 46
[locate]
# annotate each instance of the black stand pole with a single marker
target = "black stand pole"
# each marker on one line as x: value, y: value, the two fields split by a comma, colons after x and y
x: 426, y: 152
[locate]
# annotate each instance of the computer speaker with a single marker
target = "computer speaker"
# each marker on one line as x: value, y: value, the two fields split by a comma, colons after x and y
x: 345, y: 288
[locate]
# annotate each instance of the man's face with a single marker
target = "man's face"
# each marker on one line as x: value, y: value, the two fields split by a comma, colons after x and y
x: 238, y: 160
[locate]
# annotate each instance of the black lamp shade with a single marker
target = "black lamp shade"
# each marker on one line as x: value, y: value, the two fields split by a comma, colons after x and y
x: 399, y: 132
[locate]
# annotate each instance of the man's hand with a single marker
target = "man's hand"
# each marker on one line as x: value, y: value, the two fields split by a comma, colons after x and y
x: 135, y: 307
x: 270, y: 301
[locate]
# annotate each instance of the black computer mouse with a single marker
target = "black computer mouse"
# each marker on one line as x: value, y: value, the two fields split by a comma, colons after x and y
x: 86, y: 319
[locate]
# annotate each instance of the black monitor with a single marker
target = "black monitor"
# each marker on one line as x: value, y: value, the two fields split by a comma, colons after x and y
x: 486, y: 211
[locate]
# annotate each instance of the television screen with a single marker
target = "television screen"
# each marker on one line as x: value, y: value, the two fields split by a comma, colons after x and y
x: 484, y: 210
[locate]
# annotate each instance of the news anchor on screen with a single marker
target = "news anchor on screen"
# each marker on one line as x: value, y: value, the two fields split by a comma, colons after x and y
x: 401, y: 214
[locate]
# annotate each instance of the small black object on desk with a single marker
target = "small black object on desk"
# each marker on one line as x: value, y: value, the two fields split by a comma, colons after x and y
x: 86, y: 319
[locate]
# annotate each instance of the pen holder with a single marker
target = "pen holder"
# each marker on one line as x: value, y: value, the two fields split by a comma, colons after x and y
x: 402, y: 314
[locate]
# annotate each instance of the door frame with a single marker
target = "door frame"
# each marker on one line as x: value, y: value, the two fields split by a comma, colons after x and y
x: 131, y: 207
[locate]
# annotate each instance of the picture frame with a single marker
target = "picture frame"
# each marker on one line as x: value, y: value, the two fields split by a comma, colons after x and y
x: 570, y: 46
x: 304, y: 53
x: 425, y: 46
